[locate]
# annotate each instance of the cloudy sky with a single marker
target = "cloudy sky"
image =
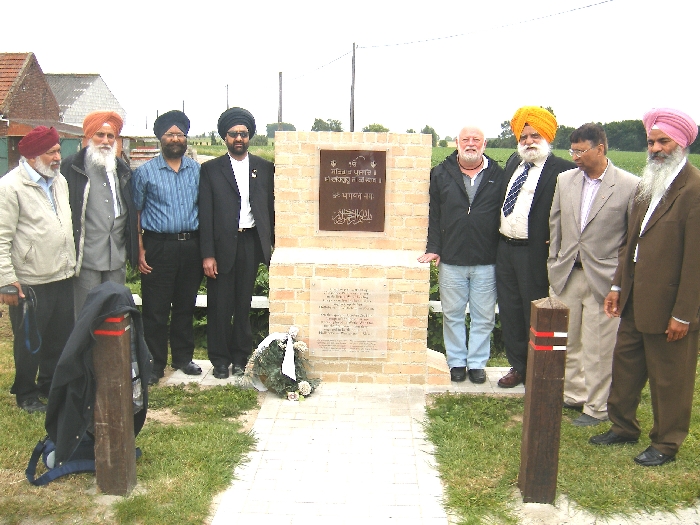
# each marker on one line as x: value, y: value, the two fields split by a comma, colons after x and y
x: 443, y: 64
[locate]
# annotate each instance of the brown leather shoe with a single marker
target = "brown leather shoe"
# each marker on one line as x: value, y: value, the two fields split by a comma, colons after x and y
x: 511, y: 379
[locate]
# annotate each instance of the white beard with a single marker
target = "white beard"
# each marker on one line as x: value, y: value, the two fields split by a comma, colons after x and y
x: 655, y: 173
x: 103, y: 156
x: 46, y: 170
x: 469, y: 156
x: 541, y: 152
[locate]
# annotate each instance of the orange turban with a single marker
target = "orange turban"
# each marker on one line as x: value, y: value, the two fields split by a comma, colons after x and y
x: 95, y: 120
x: 542, y: 120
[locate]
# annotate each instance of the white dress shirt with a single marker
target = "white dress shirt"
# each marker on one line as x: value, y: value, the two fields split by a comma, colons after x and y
x: 241, y: 169
x: 515, y: 225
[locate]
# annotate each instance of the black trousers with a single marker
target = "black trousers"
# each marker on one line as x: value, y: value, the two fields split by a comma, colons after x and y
x: 230, y: 295
x: 50, y: 324
x: 515, y: 291
x: 170, y: 291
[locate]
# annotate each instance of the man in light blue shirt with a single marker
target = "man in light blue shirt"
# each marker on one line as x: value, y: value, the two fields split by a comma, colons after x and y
x: 166, y: 190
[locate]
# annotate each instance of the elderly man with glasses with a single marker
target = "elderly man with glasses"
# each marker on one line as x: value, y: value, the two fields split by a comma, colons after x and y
x: 588, y: 227
x: 166, y: 191
x: 237, y: 216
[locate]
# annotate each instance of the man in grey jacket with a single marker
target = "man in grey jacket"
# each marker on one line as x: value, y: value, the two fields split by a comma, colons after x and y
x: 37, y: 257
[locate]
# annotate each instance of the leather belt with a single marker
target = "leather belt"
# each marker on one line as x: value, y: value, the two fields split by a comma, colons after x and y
x: 182, y: 236
x: 243, y: 230
x: 514, y: 242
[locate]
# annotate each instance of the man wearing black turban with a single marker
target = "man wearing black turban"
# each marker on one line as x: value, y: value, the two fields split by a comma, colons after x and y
x: 237, y: 221
x: 166, y: 189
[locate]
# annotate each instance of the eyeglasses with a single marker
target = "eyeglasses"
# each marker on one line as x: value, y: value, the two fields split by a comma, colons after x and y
x: 578, y: 153
x: 178, y: 136
x: 234, y: 134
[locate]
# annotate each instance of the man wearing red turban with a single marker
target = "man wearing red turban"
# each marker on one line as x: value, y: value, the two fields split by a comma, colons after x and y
x: 37, y: 258
x: 521, y: 262
x: 104, y: 215
x: 656, y: 293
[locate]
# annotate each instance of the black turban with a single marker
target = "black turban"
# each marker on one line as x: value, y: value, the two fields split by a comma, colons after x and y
x: 234, y: 116
x: 170, y: 119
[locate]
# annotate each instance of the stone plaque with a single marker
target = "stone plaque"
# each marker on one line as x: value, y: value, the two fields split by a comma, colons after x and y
x: 349, y: 317
x: 351, y: 191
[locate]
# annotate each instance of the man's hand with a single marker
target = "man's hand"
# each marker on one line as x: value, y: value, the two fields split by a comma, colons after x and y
x: 612, y: 304
x: 143, y: 265
x: 676, y: 330
x: 209, y: 265
x: 10, y: 298
x: 427, y: 257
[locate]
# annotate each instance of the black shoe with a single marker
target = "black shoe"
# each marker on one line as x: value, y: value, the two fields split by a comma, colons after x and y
x: 220, y: 371
x: 32, y: 405
x: 652, y: 458
x: 458, y: 373
x: 155, y: 376
x: 610, y: 438
x: 191, y: 369
x: 477, y: 375
x: 237, y: 371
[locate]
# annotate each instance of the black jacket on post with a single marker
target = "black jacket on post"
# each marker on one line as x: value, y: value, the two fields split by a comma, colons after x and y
x: 71, y: 404
x: 461, y: 232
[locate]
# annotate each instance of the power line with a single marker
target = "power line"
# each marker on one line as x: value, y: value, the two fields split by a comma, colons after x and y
x: 324, y: 65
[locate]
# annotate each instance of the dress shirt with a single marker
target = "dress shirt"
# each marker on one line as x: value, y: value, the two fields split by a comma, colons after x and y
x: 115, y: 195
x: 515, y: 225
x: 241, y: 169
x: 167, y: 199
x: 590, y: 190
x: 42, y: 182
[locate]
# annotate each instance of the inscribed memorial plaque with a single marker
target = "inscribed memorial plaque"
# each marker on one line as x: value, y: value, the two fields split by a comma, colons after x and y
x: 349, y: 317
x: 351, y: 190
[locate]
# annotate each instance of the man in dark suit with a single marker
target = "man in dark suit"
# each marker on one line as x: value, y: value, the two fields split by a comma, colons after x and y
x: 236, y: 224
x: 529, y: 181
x: 656, y: 290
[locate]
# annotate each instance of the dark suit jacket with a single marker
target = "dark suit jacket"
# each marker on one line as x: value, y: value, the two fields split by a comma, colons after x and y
x: 220, y: 206
x: 666, y: 276
x: 538, y: 220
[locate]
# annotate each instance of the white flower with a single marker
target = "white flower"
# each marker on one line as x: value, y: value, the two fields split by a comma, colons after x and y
x: 304, y: 388
x: 294, y: 331
x: 300, y: 346
x: 293, y: 396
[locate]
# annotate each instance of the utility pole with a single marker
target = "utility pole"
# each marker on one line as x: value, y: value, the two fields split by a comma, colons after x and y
x: 352, y: 92
x: 279, y: 110
x: 226, y: 96
x: 183, y: 106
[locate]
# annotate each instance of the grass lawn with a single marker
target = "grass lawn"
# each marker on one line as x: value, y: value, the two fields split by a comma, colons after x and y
x: 477, y: 441
x: 191, y: 443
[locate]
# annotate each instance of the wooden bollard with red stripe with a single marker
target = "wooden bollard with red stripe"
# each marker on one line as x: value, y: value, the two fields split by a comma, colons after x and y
x: 115, y: 458
x: 544, y: 394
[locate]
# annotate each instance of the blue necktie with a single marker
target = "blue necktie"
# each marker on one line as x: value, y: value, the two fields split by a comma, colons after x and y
x: 509, y: 203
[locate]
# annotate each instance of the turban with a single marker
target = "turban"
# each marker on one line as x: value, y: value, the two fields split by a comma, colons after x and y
x: 542, y: 120
x: 38, y: 141
x: 167, y: 120
x: 676, y: 124
x: 95, y: 120
x: 234, y: 116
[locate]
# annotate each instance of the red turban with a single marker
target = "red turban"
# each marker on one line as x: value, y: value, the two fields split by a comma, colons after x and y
x: 38, y: 141
x: 676, y: 124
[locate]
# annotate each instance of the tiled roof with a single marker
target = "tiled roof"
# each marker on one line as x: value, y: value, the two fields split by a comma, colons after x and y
x: 67, y: 88
x: 11, y: 67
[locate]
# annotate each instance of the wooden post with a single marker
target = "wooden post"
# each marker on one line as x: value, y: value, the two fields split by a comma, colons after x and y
x: 544, y: 394
x: 115, y: 457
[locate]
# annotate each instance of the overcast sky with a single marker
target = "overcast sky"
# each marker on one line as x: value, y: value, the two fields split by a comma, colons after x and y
x: 611, y: 61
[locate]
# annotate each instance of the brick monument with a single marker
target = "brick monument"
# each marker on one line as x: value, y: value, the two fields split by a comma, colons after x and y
x: 351, y: 220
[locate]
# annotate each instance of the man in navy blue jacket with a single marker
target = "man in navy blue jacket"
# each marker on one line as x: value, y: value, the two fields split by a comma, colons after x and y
x: 463, y: 224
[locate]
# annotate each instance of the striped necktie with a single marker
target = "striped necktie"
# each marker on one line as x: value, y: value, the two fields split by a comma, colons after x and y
x: 509, y: 203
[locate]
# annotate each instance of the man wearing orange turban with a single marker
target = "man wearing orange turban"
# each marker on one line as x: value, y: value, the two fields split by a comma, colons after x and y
x: 521, y: 263
x: 104, y: 216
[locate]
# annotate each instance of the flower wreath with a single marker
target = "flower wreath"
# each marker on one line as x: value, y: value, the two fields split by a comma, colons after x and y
x: 279, y: 364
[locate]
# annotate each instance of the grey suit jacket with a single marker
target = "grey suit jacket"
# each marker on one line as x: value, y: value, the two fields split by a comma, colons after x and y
x: 604, y: 233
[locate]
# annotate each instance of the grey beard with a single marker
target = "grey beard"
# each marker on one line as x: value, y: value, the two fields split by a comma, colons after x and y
x: 469, y: 156
x: 654, y: 175
x: 543, y: 151
x: 45, y: 169
x: 97, y: 157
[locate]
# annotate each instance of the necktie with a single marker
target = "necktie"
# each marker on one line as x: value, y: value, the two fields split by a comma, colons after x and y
x: 512, y: 196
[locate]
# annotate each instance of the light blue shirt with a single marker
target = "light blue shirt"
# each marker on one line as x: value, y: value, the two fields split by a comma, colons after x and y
x: 167, y: 199
x: 43, y: 183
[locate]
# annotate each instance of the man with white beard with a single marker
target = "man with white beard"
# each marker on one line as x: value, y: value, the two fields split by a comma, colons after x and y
x: 462, y: 239
x: 521, y: 264
x: 104, y: 216
x: 37, y: 257
x: 656, y: 294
